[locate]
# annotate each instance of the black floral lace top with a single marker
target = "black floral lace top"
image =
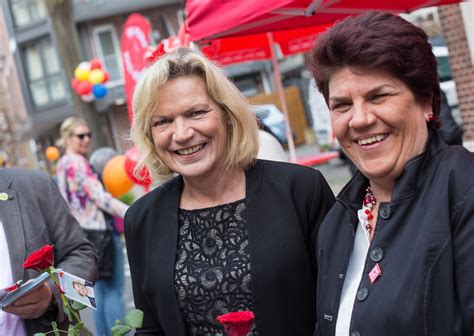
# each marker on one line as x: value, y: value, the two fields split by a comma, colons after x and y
x: 212, y: 275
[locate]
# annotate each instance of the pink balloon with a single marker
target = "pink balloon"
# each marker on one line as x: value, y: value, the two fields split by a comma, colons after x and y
x: 95, y: 64
x: 74, y: 83
x: 84, y: 88
x: 106, y: 76
x: 131, y: 159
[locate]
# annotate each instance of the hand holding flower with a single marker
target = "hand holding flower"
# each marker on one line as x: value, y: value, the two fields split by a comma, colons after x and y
x: 36, y: 303
x: 43, y: 260
x: 33, y: 304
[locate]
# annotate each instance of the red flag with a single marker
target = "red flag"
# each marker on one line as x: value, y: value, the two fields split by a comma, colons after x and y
x: 135, y: 41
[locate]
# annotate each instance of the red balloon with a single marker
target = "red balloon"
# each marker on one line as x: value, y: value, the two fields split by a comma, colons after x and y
x: 106, y: 76
x: 84, y: 88
x: 131, y: 158
x: 95, y: 64
x: 74, y: 83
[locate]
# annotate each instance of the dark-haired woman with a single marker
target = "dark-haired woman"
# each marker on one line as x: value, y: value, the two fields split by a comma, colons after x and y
x: 395, y: 253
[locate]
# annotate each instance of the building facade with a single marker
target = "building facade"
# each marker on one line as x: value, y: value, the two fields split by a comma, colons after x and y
x: 41, y: 93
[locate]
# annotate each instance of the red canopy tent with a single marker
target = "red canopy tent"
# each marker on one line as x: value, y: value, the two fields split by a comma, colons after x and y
x: 210, y: 19
x: 256, y: 47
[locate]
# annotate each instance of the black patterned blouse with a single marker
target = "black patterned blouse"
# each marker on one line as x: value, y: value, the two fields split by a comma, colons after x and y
x: 212, y: 275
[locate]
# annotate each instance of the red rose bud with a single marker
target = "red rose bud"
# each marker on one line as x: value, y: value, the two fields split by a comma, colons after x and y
x: 237, y: 323
x: 40, y: 259
x: 12, y: 287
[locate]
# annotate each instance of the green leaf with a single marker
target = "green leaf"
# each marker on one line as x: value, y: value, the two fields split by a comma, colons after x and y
x: 39, y: 334
x: 78, y: 306
x: 134, y: 318
x: 79, y: 326
x: 120, y: 330
x: 71, y: 331
x: 67, y: 308
x: 118, y: 322
x: 55, y: 328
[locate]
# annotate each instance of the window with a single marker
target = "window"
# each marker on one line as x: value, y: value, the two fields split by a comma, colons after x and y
x: 27, y: 11
x: 248, y: 84
x: 43, y: 71
x: 444, y: 70
x: 107, y: 47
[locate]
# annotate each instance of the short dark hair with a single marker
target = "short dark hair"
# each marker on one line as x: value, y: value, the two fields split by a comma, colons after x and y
x: 382, y: 41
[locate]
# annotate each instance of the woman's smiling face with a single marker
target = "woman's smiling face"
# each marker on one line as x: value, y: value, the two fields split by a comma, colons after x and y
x: 188, y: 128
x: 377, y: 121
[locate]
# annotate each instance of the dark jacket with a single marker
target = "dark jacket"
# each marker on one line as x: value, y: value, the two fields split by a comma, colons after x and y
x: 423, y: 242
x: 285, y: 204
x: 450, y: 131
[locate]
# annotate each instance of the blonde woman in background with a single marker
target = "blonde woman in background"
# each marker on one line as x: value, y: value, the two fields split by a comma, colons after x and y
x: 88, y: 201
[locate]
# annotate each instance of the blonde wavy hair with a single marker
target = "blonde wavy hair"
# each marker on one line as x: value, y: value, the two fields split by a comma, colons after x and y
x: 242, y: 129
x: 66, y: 130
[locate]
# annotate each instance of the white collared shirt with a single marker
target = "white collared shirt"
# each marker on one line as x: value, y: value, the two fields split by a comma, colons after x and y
x: 10, y: 325
x: 353, y: 276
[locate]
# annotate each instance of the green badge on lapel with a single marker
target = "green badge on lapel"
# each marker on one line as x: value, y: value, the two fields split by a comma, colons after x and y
x: 3, y: 196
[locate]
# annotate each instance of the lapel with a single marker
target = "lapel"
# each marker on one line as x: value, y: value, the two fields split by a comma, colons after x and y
x: 166, y: 234
x: 13, y: 226
x: 259, y: 228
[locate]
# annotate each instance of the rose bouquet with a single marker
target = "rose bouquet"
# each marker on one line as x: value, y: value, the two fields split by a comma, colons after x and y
x: 237, y: 323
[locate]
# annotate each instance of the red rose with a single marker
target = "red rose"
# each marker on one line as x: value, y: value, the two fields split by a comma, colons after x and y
x: 40, y: 259
x: 237, y: 323
x: 12, y: 287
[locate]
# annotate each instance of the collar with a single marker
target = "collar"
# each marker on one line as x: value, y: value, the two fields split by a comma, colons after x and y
x: 412, y: 177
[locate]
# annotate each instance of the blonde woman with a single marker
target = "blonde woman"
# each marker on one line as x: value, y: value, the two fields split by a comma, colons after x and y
x: 230, y: 232
x: 90, y: 204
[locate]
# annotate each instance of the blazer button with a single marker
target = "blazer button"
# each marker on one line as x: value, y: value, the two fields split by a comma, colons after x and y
x: 385, y: 212
x: 362, y: 294
x: 376, y: 254
x: 355, y: 333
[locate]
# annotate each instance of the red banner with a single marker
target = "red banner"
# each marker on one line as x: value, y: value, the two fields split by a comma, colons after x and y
x: 135, y: 41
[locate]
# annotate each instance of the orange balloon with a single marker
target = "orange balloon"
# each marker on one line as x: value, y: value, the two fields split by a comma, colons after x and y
x: 52, y: 153
x: 115, y: 177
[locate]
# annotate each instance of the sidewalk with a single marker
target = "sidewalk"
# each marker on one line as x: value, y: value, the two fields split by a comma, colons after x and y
x: 335, y: 171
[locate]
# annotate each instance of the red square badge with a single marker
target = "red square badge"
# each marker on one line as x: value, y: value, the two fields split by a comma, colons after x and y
x: 375, y: 273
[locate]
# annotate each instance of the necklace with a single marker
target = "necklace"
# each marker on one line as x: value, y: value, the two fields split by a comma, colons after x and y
x: 368, y: 207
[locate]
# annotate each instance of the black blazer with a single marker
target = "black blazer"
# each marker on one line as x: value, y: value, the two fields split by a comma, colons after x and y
x: 285, y: 204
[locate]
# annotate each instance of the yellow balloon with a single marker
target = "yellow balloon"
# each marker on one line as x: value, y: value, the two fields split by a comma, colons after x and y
x: 96, y: 76
x: 81, y: 74
x: 115, y: 177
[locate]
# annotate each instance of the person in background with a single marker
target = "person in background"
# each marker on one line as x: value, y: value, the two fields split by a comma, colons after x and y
x: 395, y: 253
x: 33, y: 214
x: 229, y: 232
x: 88, y: 201
x: 450, y: 131
x: 269, y: 146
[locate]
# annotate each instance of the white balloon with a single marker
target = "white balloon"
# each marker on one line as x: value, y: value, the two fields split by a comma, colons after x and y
x: 100, y: 157
x: 84, y: 65
x: 88, y: 98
